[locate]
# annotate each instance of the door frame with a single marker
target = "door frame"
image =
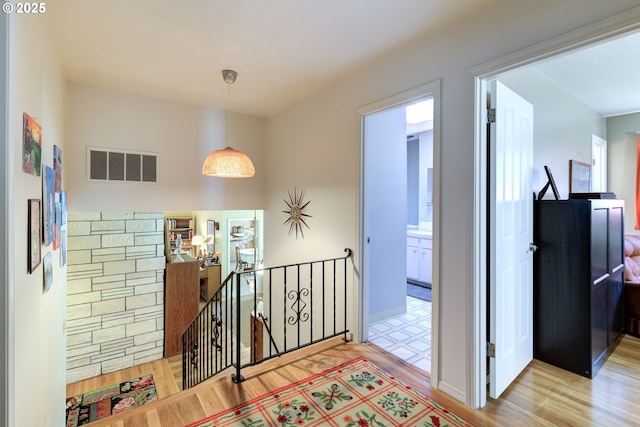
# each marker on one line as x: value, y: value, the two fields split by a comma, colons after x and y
x: 6, y: 317
x: 615, y: 26
x: 599, y: 144
x: 431, y: 89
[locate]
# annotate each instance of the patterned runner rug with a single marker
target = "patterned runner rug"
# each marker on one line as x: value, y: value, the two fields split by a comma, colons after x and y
x: 97, y: 404
x: 354, y: 394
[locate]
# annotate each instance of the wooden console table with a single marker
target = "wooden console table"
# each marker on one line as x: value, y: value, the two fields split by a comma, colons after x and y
x: 181, y: 298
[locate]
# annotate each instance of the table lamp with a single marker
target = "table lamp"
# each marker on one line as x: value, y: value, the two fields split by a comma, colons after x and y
x: 196, y: 241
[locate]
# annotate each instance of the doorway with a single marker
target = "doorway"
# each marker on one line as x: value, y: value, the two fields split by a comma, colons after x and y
x: 398, y: 195
x: 556, y: 151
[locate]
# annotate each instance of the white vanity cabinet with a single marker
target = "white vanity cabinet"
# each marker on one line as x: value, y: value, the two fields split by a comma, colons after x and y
x: 413, y: 258
x: 419, y: 254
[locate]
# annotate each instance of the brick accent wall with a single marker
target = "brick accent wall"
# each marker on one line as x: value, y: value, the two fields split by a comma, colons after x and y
x: 115, y: 291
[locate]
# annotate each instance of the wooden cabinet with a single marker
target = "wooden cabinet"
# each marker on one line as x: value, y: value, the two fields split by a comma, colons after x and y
x: 183, y: 226
x: 210, y: 281
x: 181, y: 301
x: 419, y: 259
x: 578, y: 282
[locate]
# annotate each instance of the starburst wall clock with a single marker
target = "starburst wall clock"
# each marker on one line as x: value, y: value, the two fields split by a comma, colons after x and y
x: 295, y: 212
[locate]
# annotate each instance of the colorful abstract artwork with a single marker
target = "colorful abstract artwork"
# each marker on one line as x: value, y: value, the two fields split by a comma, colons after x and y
x: 57, y: 166
x: 31, y: 145
x: 48, y: 205
x: 57, y: 226
x: 63, y: 203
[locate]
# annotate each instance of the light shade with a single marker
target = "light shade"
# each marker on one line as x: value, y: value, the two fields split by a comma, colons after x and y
x: 228, y: 163
x: 197, y: 240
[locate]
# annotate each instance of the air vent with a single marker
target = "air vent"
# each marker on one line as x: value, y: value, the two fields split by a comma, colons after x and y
x: 121, y: 166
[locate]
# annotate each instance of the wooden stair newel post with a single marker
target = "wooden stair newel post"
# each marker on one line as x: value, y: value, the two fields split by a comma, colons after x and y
x: 256, y: 338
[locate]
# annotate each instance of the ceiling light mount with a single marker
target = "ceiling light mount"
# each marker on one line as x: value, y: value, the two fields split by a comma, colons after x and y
x: 229, y: 76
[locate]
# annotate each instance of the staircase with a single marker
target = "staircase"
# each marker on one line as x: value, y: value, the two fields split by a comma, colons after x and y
x: 260, y: 314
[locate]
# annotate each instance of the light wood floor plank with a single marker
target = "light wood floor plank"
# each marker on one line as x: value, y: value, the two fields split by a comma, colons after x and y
x: 542, y: 395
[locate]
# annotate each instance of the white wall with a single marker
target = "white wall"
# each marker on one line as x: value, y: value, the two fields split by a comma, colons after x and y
x: 37, y: 337
x: 182, y: 135
x: 315, y: 146
x: 563, y: 126
x: 426, y: 162
x: 385, y: 202
x: 622, y: 142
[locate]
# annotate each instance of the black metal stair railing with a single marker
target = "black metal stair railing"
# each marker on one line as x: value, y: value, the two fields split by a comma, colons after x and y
x: 257, y: 315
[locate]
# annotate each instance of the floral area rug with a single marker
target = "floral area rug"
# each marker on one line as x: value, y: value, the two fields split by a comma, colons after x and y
x: 97, y: 404
x: 355, y: 394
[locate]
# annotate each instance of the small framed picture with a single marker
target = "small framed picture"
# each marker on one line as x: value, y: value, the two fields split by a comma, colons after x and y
x: 34, y: 238
x: 579, y: 177
x: 211, y: 236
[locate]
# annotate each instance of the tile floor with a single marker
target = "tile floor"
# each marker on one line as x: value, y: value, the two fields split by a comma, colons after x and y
x: 407, y: 336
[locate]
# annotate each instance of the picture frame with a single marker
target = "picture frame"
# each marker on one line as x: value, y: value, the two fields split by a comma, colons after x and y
x: 579, y: 177
x: 48, y: 272
x: 211, y: 236
x: 48, y: 204
x: 550, y: 182
x: 34, y: 238
x: 31, y: 145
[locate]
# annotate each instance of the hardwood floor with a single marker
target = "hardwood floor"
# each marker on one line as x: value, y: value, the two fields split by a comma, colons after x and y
x: 541, y: 396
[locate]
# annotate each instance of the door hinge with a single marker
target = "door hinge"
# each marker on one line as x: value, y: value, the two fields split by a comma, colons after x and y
x: 491, y: 349
x: 491, y: 115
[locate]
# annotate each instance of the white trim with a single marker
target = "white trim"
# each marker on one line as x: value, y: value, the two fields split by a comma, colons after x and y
x: 477, y: 331
x: 432, y: 89
x: 608, y: 28
x: 601, y: 167
x: 402, y: 98
x: 7, y: 359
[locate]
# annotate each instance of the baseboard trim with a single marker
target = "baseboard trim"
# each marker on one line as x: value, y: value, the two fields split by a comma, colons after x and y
x: 419, y: 283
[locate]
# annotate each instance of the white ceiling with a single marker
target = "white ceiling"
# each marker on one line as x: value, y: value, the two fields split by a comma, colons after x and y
x: 283, y: 50
x: 606, y: 76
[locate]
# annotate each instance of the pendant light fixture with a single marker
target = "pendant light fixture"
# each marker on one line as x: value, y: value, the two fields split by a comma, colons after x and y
x: 227, y: 162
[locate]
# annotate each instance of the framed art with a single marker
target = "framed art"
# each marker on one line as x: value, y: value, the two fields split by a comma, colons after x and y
x: 31, y: 145
x: 34, y: 238
x: 48, y: 271
x: 57, y: 167
x: 48, y: 205
x: 211, y: 236
x: 579, y: 177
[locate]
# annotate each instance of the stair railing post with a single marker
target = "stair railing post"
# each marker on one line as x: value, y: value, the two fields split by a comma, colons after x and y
x: 238, y: 377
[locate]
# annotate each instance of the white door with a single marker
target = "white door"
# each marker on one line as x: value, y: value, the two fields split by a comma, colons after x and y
x: 511, y: 232
x: 598, y: 164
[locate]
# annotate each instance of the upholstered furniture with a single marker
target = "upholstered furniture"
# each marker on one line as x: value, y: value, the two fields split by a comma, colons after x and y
x: 632, y: 284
